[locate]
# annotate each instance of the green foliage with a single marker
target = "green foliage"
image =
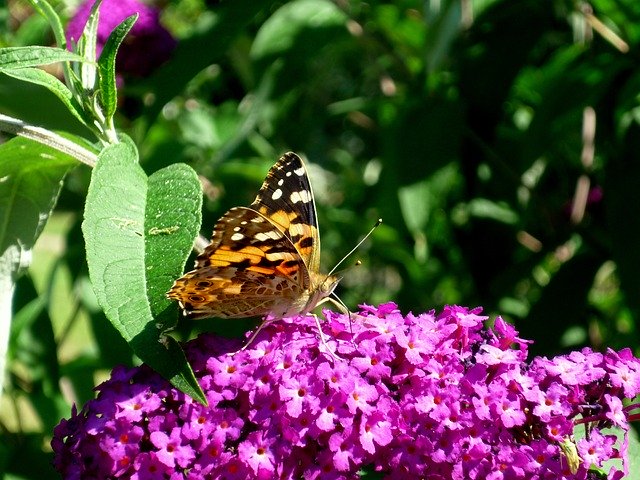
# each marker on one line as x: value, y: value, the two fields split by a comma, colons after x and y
x: 131, y: 252
x: 48, y: 81
x: 107, y: 66
x: 502, y: 159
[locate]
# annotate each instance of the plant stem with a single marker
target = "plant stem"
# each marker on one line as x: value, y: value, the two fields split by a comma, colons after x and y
x: 47, y: 137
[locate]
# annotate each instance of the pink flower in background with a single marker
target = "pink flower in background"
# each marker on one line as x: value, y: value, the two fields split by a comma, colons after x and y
x: 148, y: 44
x: 418, y: 396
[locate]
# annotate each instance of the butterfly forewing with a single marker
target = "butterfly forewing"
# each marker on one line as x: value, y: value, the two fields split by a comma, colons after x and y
x: 244, y: 239
x: 287, y: 200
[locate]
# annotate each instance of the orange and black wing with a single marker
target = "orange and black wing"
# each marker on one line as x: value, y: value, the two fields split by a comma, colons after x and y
x: 286, y: 199
x: 250, y: 268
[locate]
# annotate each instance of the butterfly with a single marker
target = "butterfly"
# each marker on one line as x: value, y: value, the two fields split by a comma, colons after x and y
x: 263, y: 260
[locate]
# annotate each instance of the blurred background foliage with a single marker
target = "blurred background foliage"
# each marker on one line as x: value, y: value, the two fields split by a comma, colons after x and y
x: 498, y: 139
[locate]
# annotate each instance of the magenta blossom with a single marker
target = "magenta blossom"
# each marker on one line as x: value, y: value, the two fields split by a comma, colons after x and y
x: 432, y: 396
x: 147, y: 45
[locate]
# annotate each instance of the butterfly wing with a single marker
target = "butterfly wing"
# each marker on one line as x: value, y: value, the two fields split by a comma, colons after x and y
x: 250, y: 268
x: 286, y: 199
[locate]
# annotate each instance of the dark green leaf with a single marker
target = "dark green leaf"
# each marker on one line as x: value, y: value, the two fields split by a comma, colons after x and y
x: 55, y: 86
x: 27, y: 458
x: 562, y: 303
x: 107, y: 66
x: 115, y: 237
x: 231, y: 19
x: 33, y: 345
x: 623, y: 215
x: 281, y: 32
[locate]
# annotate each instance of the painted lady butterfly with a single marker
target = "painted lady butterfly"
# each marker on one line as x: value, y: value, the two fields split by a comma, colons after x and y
x: 263, y: 260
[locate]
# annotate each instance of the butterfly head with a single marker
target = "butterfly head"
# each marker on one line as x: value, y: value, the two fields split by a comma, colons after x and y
x: 322, y: 287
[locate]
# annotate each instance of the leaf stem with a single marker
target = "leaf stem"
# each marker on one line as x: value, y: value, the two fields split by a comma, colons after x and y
x: 47, y: 137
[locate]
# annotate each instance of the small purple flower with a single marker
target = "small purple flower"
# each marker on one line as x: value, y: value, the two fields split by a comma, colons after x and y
x: 148, y: 44
x: 432, y: 396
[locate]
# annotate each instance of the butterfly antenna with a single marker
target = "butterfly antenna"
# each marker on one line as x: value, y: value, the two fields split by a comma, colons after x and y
x: 356, y: 247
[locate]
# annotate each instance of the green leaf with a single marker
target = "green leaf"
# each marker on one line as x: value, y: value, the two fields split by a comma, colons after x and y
x: 47, y: 11
x: 211, y: 38
x: 416, y: 203
x: 32, y: 342
x: 55, y: 86
x: 567, y: 306
x: 31, y: 177
x: 282, y: 31
x: 634, y: 455
x: 115, y: 228
x: 172, y: 221
x: 23, y: 57
x: 107, y: 66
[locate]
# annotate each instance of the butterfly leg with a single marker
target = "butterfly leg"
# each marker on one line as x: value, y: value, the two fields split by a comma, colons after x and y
x: 255, y: 334
x: 322, y: 338
x: 335, y: 300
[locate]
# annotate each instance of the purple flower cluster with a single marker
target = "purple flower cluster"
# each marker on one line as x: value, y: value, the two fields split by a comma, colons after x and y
x: 148, y: 44
x: 432, y: 396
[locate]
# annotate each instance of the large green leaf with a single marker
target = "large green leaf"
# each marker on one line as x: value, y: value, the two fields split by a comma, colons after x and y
x: 31, y: 177
x: 128, y: 235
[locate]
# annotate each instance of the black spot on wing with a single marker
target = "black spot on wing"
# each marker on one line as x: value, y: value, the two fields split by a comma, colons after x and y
x: 306, y: 242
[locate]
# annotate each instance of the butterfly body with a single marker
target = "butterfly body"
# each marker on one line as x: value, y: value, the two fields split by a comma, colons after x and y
x: 263, y: 260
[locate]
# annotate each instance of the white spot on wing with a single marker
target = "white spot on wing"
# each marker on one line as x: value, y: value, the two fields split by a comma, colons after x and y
x: 271, y: 235
x: 288, y: 174
x: 296, y: 229
x: 275, y: 256
x: 302, y: 196
x: 237, y: 237
x: 237, y: 229
x: 299, y: 171
x: 280, y: 182
x: 276, y: 195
